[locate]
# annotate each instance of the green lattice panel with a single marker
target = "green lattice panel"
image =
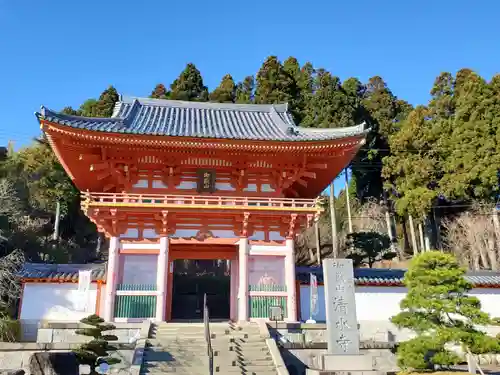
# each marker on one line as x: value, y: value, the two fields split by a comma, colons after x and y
x: 136, y: 287
x: 135, y: 306
x: 260, y: 305
x: 267, y: 288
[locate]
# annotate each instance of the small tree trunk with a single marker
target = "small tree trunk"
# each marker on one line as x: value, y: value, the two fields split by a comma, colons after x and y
x: 413, y: 237
x: 421, y: 232
x: 311, y: 256
x: 476, y: 264
x: 388, y: 223
x: 349, y: 219
x: 492, y: 255
x: 333, y: 222
x: 496, y: 225
x: 484, y: 259
x: 406, y: 240
x: 318, y: 245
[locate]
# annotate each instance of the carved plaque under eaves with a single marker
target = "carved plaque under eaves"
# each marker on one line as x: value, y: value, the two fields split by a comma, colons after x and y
x: 206, y: 181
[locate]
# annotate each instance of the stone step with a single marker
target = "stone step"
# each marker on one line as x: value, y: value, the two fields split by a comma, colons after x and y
x: 204, y: 371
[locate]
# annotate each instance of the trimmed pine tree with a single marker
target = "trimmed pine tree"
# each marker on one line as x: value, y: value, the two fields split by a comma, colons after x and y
x: 439, y: 310
x: 96, y: 351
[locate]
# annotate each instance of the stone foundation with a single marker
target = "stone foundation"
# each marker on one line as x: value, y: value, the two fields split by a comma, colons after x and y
x: 61, y: 337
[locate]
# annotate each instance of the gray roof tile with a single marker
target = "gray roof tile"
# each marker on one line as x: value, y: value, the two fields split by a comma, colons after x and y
x: 386, y: 277
x: 61, y: 272
x: 144, y: 116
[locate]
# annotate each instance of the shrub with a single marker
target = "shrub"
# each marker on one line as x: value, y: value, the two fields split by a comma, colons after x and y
x: 10, y: 329
x: 96, y: 351
x: 439, y: 310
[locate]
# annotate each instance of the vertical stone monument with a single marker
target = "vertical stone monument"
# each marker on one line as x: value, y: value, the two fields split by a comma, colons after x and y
x: 341, y: 322
x: 340, y: 304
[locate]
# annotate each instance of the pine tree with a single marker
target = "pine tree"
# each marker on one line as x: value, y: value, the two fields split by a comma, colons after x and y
x: 245, y: 90
x: 438, y: 309
x: 225, y: 92
x: 189, y: 86
x: 160, y: 92
x: 96, y: 351
x: 106, y: 102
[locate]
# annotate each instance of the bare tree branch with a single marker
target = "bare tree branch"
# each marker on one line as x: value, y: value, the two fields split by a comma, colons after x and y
x: 471, y: 237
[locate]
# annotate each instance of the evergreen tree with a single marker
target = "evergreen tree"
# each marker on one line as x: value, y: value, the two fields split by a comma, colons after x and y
x: 471, y: 165
x: 355, y: 91
x: 413, y: 167
x: 96, y: 351
x: 225, y: 92
x: 440, y: 312
x: 189, y: 86
x: 245, y: 90
x: 305, y: 84
x: 70, y: 111
x: 106, y: 102
x: 368, y: 247
x: 89, y: 108
x: 327, y: 107
x: 274, y: 84
x: 160, y: 92
x: 383, y: 113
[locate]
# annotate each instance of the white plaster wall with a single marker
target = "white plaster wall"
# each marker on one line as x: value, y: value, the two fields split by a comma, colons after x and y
x: 381, y: 303
x: 268, y: 250
x: 56, y: 302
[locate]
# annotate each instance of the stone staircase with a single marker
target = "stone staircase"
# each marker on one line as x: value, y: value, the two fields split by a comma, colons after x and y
x: 181, y: 349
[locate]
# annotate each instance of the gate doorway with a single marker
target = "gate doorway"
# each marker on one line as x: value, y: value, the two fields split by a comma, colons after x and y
x: 192, y: 279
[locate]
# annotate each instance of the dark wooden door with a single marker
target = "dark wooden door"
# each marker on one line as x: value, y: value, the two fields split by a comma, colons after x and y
x: 191, y: 281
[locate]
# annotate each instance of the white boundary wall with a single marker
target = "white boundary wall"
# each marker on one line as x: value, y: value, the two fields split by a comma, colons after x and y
x: 59, y: 302
x: 380, y: 303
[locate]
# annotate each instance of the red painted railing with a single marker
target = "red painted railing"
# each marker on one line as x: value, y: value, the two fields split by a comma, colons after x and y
x: 196, y: 200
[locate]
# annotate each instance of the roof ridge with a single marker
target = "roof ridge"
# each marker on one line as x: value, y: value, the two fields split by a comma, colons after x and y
x: 44, y: 112
x: 353, y: 128
x: 281, y: 108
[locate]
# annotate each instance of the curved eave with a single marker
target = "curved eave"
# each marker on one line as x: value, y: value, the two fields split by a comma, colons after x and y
x: 275, y: 128
x: 355, y: 139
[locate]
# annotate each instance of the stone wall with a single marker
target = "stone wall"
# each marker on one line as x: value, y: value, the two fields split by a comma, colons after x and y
x: 61, y: 337
x: 303, y: 344
x: 54, y: 332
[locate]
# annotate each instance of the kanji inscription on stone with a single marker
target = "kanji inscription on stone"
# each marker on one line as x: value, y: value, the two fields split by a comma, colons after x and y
x: 340, y: 302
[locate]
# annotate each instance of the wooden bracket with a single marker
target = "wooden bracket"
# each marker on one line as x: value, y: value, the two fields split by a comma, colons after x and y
x: 245, y: 226
x: 164, y: 222
x: 310, y: 220
x: 292, y: 226
x: 114, y: 222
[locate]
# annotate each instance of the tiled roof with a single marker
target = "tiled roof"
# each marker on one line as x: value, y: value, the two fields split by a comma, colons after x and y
x: 144, y: 116
x: 61, y: 272
x: 394, y: 277
x: 362, y: 276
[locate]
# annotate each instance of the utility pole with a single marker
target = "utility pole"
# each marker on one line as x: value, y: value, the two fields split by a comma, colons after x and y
x: 349, y: 219
x: 55, y: 235
x: 333, y: 218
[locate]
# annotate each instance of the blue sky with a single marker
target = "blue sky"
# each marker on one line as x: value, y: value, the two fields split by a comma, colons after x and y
x: 59, y: 53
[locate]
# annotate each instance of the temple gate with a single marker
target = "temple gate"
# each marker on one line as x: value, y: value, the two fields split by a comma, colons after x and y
x: 189, y: 193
